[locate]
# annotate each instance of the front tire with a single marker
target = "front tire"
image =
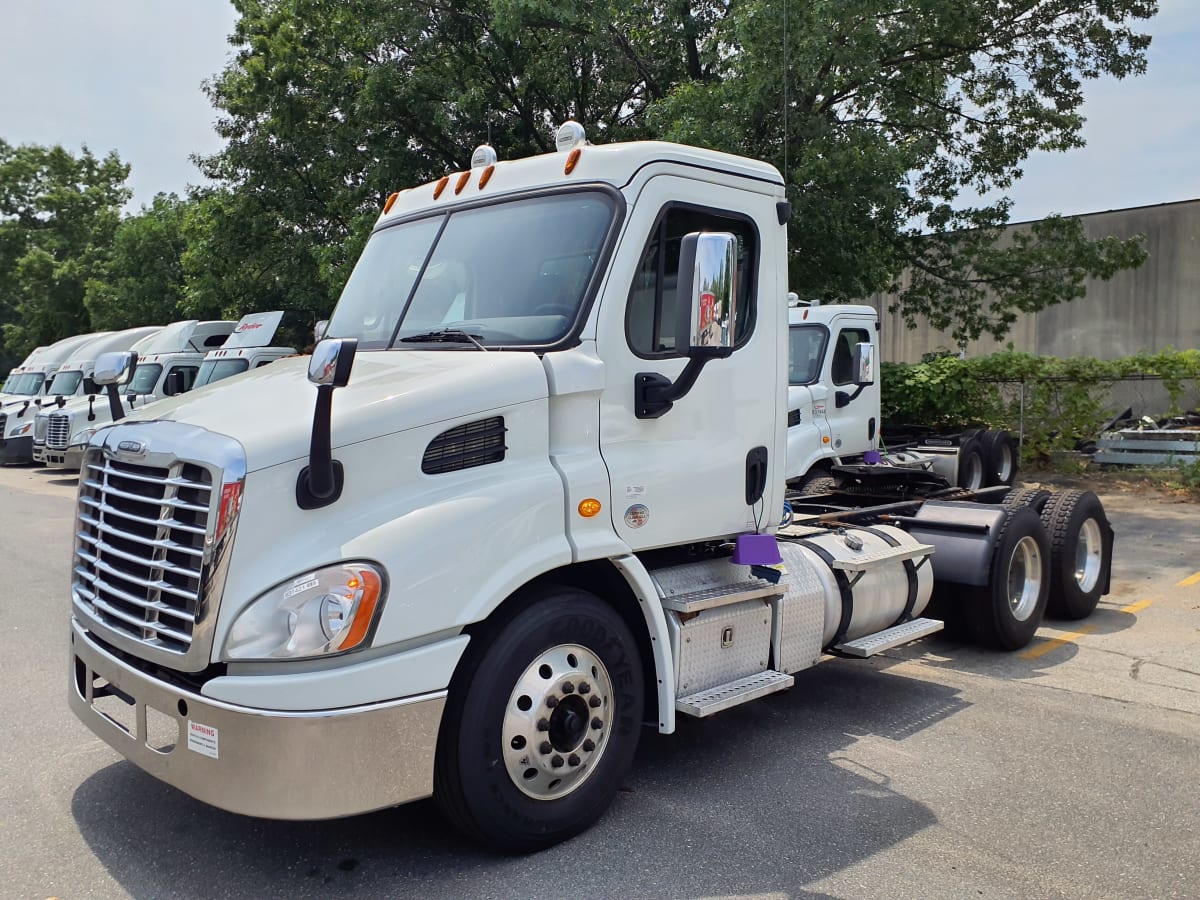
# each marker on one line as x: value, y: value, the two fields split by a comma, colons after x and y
x: 541, y: 724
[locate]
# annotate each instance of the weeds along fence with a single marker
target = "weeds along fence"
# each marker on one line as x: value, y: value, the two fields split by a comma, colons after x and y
x: 1053, y: 404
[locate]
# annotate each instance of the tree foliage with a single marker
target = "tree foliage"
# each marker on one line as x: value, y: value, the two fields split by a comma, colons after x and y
x: 58, y: 214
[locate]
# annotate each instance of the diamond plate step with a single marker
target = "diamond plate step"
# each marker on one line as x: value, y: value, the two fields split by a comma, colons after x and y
x: 868, y: 561
x: 890, y: 637
x: 743, y: 690
x: 724, y: 595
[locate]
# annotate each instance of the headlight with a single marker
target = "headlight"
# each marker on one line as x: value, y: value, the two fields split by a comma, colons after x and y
x: 24, y: 429
x: 329, y: 610
x: 82, y: 437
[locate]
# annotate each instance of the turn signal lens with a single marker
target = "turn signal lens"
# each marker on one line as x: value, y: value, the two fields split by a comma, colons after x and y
x: 589, y: 507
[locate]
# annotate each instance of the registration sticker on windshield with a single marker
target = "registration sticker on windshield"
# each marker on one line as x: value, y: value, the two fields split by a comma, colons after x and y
x: 202, y: 739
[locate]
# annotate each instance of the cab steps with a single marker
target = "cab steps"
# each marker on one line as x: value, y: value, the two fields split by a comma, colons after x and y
x: 742, y: 690
x: 897, y: 635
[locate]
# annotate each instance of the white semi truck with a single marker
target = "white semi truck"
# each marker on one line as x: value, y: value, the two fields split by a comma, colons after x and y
x: 523, y: 499
x: 27, y: 387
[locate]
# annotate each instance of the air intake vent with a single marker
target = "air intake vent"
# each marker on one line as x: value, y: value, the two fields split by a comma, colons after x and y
x: 793, y: 417
x: 464, y: 447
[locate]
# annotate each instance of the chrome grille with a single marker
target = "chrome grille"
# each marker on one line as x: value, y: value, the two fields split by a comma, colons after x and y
x: 58, y: 430
x: 3, y: 424
x: 39, y: 427
x: 140, y: 547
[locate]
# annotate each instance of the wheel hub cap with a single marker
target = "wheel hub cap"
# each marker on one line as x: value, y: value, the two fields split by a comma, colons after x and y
x: 1088, y: 552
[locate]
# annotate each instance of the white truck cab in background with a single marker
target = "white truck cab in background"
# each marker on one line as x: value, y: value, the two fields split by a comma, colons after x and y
x: 247, y: 348
x: 167, y: 364
x: 526, y: 496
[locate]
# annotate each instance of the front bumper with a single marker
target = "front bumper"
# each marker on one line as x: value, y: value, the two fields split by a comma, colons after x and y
x: 260, y: 762
x: 71, y: 458
x: 19, y: 449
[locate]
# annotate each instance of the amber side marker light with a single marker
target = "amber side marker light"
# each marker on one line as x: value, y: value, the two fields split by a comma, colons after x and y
x: 441, y: 186
x: 365, y: 612
x: 462, y: 182
x: 589, y: 507
x: 486, y: 176
x: 390, y: 202
x: 572, y: 161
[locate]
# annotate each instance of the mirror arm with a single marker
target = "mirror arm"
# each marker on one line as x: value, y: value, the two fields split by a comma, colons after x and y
x: 655, y: 394
x: 114, y: 403
x: 320, y: 482
x: 842, y: 399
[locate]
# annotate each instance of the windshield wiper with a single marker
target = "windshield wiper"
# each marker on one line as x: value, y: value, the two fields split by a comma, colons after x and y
x: 447, y: 335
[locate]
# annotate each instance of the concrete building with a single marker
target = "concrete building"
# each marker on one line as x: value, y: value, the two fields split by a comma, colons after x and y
x: 1147, y: 309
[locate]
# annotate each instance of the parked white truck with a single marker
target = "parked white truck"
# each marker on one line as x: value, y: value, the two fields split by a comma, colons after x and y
x: 27, y: 387
x: 544, y: 508
x: 168, y: 362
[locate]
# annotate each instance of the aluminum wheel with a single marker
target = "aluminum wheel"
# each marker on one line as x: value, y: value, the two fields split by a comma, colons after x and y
x: 1089, y: 555
x: 557, y: 722
x: 1004, y: 463
x: 1024, y: 578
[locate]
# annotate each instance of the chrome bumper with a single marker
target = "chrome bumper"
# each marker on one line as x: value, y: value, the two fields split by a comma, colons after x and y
x: 259, y: 762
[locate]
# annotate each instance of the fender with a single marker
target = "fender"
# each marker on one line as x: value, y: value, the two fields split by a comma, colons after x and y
x: 660, y: 643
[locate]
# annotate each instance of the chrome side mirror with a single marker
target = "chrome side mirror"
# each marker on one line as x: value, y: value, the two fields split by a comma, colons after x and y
x: 863, y: 363
x: 331, y: 362
x: 319, y: 330
x: 114, y: 368
x: 707, y: 293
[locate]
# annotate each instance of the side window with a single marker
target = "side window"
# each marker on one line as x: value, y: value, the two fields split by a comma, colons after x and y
x: 806, y: 352
x: 187, y: 377
x: 843, y: 354
x: 650, y: 313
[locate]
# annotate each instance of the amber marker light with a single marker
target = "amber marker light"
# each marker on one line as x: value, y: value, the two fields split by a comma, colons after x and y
x: 366, y: 609
x: 824, y: 440
x: 391, y: 201
x: 462, y: 182
x: 589, y: 507
x: 572, y: 161
x: 486, y: 177
x: 441, y: 186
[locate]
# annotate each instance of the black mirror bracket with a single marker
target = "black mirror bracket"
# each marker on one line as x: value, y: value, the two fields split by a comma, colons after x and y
x: 655, y: 394
x: 842, y: 399
x: 320, y: 482
x: 114, y: 403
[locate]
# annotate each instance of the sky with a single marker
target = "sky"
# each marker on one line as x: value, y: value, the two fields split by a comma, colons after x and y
x: 127, y: 75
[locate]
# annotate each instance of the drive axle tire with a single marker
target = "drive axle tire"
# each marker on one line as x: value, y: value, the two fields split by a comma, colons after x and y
x: 1000, y: 457
x: 1080, y: 553
x: 813, y: 485
x: 541, y: 722
x: 1034, y: 498
x: 1006, y: 613
x: 972, y: 468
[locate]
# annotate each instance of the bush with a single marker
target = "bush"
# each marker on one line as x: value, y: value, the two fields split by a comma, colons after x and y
x: 1064, y: 400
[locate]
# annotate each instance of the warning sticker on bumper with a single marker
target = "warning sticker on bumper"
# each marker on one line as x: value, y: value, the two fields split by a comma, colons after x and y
x: 202, y: 739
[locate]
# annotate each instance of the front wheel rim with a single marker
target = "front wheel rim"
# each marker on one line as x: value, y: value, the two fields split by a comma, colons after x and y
x: 1024, y: 578
x: 1089, y: 553
x: 557, y: 722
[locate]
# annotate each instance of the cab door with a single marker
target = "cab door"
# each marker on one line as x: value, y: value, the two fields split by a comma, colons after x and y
x: 852, y: 414
x: 683, y: 476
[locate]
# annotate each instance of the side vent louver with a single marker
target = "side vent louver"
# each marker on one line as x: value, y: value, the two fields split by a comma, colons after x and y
x: 793, y: 417
x: 466, y: 446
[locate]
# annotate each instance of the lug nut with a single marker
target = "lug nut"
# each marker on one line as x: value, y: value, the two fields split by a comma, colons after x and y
x: 589, y: 745
x: 568, y: 688
x: 552, y: 701
x: 572, y: 760
x: 543, y: 724
x: 594, y: 701
x: 544, y: 747
x: 556, y: 762
x: 584, y: 687
x: 597, y: 724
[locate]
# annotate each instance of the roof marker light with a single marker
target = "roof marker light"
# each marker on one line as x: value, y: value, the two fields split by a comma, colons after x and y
x: 486, y: 176
x: 572, y: 161
x: 462, y: 182
x: 441, y: 186
x: 391, y: 200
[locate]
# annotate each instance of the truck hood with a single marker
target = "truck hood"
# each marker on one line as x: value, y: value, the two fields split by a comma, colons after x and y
x: 270, y: 410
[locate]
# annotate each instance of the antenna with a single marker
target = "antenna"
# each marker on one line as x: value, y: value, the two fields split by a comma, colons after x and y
x: 787, y: 60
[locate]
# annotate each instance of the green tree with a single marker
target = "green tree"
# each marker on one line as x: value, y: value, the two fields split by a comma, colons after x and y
x: 58, y: 213
x: 141, y: 281
x: 896, y: 114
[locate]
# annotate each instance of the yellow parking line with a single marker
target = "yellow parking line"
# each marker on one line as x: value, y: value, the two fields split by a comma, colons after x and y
x: 1190, y: 580
x: 1045, y: 647
x: 1136, y: 607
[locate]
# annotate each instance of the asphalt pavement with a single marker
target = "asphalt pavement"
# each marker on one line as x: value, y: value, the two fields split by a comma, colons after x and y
x: 1069, y: 769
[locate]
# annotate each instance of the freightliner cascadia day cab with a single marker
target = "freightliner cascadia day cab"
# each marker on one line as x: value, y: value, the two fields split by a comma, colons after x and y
x: 167, y: 364
x: 247, y: 348
x: 28, y: 390
x: 538, y: 503
x: 13, y: 377
x: 73, y: 379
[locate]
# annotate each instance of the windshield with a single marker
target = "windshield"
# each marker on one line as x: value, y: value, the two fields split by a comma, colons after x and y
x: 145, y: 377
x: 806, y: 349
x: 65, y: 383
x: 510, y: 273
x: 215, y: 369
x: 28, y: 384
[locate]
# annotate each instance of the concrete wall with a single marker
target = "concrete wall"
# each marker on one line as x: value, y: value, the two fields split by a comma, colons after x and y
x: 1151, y: 308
